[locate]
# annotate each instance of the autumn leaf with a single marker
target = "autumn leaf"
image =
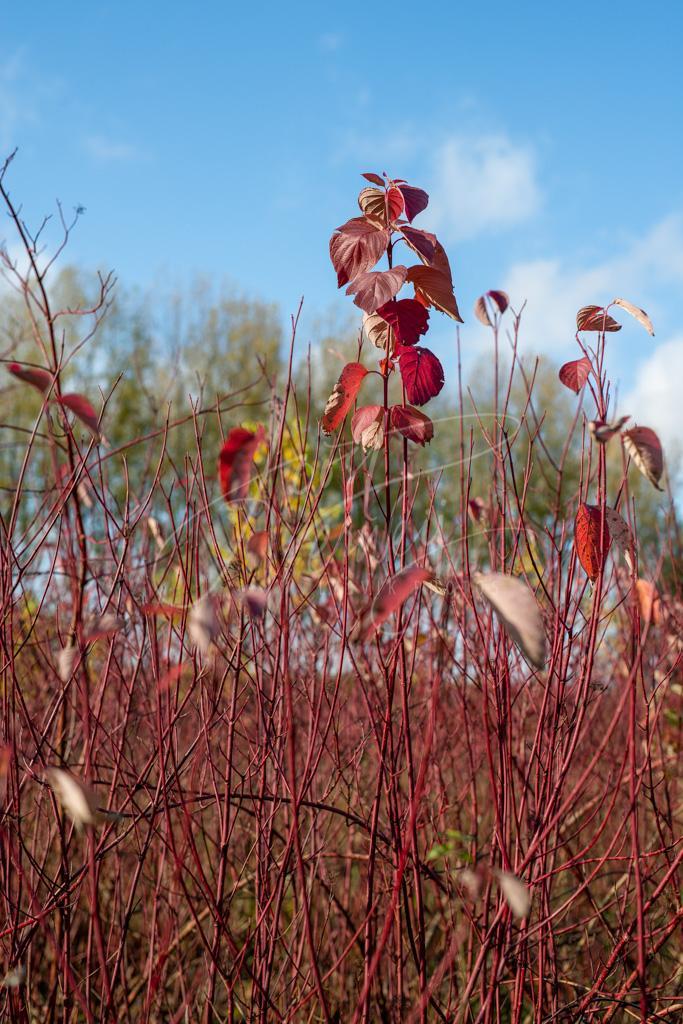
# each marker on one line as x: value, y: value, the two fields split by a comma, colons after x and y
x: 374, y: 202
x: 591, y: 539
x: 374, y: 178
x: 515, y: 893
x: 604, y: 432
x: 367, y: 427
x: 575, y: 374
x: 518, y: 610
x: 639, y: 314
x: 644, y: 447
x: 394, y: 592
x: 497, y: 298
x: 594, y: 318
x: 421, y: 242
x: 75, y: 797
x: 376, y: 287
x: 203, y: 623
x: 257, y: 545
x: 82, y: 410
x: 421, y: 372
x: 649, y: 602
x: 355, y: 247
x: 408, y: 318
x: 343, y: 396
x: 412, y: 424
x: 235, y: 462
x: 435, y: 289
x: 376, y: 330
x: 621, y: 534
x: 415, y: 200
x: 35, y: 375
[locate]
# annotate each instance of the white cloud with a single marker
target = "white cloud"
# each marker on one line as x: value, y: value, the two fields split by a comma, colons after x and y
x: 106, y: 150
x: 481, y: 186
x: 655, y: 400
x: 554, y: 290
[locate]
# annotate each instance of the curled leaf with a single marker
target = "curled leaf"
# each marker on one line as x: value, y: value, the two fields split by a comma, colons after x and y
x: 499, y: 299
x: 591, y: 539
x: 518, y: 611
x: 639, y: 314
x: 75, y: 797
x: 374, y: 203
x: 83, y: 410
x: 621, y: 534
x: 65, y: 662
x: 649, y: 602
x: 376, y: 330
x: 376, y: 287
x: 575, y: 374
x: 343, y: 396
x: 236, y: 460
x: 421, y: 372
x: 604, y: 432
x: 412, y: 424
x: 356, y: 247
x: 367, y: 427
x: 374, y: 178
x: 35, y: 375
x: 393, y: 593
x: 644, y: 447
x: 594, y: 318
x: 515, y: 892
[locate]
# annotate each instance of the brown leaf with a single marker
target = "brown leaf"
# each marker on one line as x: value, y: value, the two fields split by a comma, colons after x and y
x: 374, y: 203
x: 639, y: 314
x: 515, y: 893
x: 575, y: 374
x: 621, y: 534
x: 356, y: 247
x: 412, y: 424
x: 649, y: 602
x: 376, y: 330
x: 518, y: 611
x: 376, y: 287
x: 591, y: 539
x: 644, y: 447
x: 374, y: 178
x: 257, y: 545
x: 498, y: 298
x: 367, y: 427
x: 594, y: 318
x: 343, y: 396
x: 435, y: 289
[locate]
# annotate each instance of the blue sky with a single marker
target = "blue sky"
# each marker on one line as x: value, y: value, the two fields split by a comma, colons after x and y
x: 228, y: 139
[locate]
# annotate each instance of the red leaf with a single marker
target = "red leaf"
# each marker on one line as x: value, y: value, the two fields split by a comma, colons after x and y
x: 81, y: 408
x: 257, y: 545
x: 498, y: 298
x: 408, y: 318
x: 395, y: 200
x: 367, y: 427
x: 594, y: 318
x: 575, y: 374
x: 235, y: 462
x: 35, y: 375
x: 644, y: 447
x: 422, y: 373
x: 374, y: 203
x: 412, y: 423
x: 433, y: 288
x: 604, y: 432
x: 591, y: 544
x: 422, y: 242
x: 376, y: 287
x: 394, y: 592
x: 343, y: 396
x: 415, y: 200
x: 355, y: 247
x: 374, y: 178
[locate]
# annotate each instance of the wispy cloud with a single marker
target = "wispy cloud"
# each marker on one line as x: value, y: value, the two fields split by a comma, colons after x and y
x: 106, y: 150
x: 482, y: 185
